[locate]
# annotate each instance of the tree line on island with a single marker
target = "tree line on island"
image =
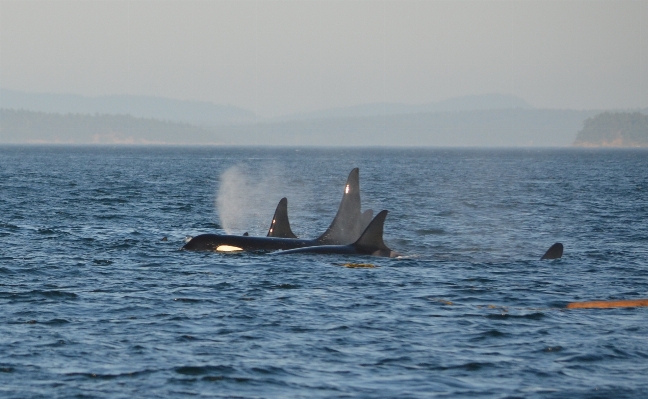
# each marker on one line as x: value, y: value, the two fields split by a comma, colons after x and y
x: 33, y: 127
x: 614, y: 129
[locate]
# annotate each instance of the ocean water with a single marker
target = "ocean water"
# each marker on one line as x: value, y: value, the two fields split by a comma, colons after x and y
x: 93, y: 303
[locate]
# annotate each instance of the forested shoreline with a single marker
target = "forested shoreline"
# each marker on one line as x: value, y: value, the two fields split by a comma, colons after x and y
x: 32, y: 127
x: 614, y: 129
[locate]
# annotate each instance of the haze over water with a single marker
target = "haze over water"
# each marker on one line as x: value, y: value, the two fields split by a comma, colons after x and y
x: 93, y: 303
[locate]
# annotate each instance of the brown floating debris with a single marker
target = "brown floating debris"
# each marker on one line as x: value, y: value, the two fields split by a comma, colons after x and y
x: 359, y: 265
x: 630, y: 303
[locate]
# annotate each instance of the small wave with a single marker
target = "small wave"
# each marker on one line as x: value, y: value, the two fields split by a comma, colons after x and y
x: 530, y: 316
x: 57, y: 343
x: 489, y: 334
x: 110, y: 376
x: 470, y: 366
x: 189, y: 300
x: 286, y: 286
x: 56, y: 322
x: 552, y: 349
x: 389, y: 360
x: 428, y: 232
x: 51, y: 231
x: 479, y: 280
x: 126, y: 244
x: 109, y: 201
x: 474, y: 366
x: 338, y: 328
x: 178, y: 318
x: 587, y: 358
x: 8, y: 226
x: 301, y: 330
x: 206, y: 225
x: 202, y: 370
x: 104, y: 216
x: 271, y: 370
x: 54, y: 294
x: 330, y: 350
x: 213, y: 378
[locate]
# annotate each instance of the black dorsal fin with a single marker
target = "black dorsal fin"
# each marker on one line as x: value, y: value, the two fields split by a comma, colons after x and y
x: 348, y: 222
x: 371, y: 241
x: 554, y: 252
x: 372, y: 238
x: 280, y: 226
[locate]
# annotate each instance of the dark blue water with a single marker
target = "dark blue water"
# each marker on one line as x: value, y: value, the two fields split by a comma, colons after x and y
x: 94, y: 304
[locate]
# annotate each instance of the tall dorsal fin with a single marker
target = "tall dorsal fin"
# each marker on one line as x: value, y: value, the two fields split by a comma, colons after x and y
x: 280, y: 226
x: 348, y: 222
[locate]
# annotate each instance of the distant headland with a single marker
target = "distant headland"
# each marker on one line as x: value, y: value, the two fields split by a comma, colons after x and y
x: 484, y: 120
x: 614, y: 129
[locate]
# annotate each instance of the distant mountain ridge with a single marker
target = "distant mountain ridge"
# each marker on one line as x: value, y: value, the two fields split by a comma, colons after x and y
x: 481, y: 128
x: 477, y: 128
x: 199, y: 113
x: 455, y: 104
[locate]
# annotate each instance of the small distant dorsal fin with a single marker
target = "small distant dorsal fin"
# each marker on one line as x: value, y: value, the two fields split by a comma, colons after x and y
x: 554, y: 252
x: 348, y: 223
x: 280, y: 226
x: 372, y: 238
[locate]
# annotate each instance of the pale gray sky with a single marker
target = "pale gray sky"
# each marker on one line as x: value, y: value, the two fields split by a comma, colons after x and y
x: 278, y: 57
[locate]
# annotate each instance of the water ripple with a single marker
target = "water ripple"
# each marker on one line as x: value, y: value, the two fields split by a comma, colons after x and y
x: 94, y: 304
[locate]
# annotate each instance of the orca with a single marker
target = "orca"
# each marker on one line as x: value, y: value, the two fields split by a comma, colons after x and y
x: 370, y: 243
x: 348, y: 224
x: 554, y: 252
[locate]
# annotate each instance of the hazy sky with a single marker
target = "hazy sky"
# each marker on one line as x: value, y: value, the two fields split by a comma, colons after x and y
x: 277, y: 57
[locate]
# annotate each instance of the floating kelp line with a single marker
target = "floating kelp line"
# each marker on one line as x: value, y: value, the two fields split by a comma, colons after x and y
x: 629, y: 303
x: 358, y: 265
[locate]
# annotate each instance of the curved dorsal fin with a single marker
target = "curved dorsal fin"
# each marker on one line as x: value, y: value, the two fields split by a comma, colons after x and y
x: 280, y: 226
x: 348, y: 222
x: 371, y: 241
x: 554, y: 252
x: 372, y: 238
